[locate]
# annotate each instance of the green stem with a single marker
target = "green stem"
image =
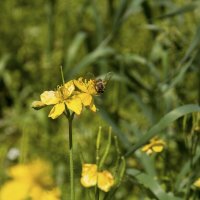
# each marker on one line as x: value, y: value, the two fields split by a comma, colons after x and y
x: 106, y: 150
x: 98, y: 146
x: 97, y: 160
x: 62, y: 75
x: 97, y: 194
x: 71, y: 161
x: 50, y: 10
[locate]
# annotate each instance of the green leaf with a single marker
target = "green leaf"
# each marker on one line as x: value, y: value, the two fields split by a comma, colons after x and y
x: 162, y: 124
x: 131, y: 59
x: 3, y: 61
x: 152, y: 184
x: 184, y: 171
x: 147, y: 162
x: 180, y: 74
x: 89, y: 59
x: 179, y: 11
x: 105, y: 115
x: 193, y: 45
x: 74, y: 48
x: 119, y: 14
x: 144, y: 107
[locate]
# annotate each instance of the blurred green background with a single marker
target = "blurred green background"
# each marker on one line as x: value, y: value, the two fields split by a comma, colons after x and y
x: 150, y: 46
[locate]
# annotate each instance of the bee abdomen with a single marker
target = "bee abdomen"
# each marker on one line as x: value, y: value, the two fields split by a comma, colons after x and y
x: 99, y: 86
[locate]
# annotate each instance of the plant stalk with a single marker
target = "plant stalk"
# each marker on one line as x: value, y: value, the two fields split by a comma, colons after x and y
x: 97, y: 160
x: 71, y: 161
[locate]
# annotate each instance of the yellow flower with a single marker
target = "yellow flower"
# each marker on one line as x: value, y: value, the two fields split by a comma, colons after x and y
x: 63, y: 96
x: 30, y: 181
x: 105, y: 180
x: 91, y: 177
x: 87, y: 91
x: 197, y: 183
x: 37, y: 193
x: 155, y: 146
x: 14, y: 190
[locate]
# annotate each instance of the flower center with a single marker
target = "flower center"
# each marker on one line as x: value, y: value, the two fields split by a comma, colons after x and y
x: 63, y: 93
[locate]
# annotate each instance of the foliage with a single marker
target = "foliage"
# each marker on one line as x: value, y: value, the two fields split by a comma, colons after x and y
x: 151, y: 48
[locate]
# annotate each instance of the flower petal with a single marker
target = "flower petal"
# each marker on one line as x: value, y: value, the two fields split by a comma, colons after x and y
x: 19, y: 172
x: 197, y: 183
x: 15, y: 190
x: 38, y: 105
x: 157, y: 148
x: 93, y: 107
x: 85, y: 98
x: 89, y: 175
x: 105, y: 180
x: 74, y: 104
x: 80, y: 84
x: 70, y: 87
x: 49, y: 98
x: 57, y: 110
x: 91, y: 87
x: 146, y: 147
x: 156, y: 145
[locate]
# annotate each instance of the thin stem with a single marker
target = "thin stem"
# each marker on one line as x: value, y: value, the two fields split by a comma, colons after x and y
x: 199, y: 87
x: 71, y: 161
x: 50, y: 11
x: 24, y: 146
x: 98, y: 146
x: 97, y: 194
x: 97, y: 160
x: 118, y: 155
x: 62, y: 75
x: 106, y: 150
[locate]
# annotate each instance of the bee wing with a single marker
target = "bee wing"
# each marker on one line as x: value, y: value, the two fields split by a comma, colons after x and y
x: 89, y: 75
x: 108, y: 76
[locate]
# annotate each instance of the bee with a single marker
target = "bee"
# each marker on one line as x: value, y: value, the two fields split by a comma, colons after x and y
x: 100, y: 84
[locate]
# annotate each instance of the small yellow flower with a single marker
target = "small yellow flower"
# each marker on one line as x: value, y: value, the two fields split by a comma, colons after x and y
x: 155, y: 146
x: 105, y: 180
x: 91, y: 177
x: 63, y: 96
x: 87, y: 91
x: 197, y: 183
x: 14, y: 190
x: 30, y: 181
x: 37, y: 193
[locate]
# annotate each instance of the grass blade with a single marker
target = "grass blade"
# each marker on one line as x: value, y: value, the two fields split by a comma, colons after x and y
x: 162, y: 124
x: 116, y: 129
x: 98, y: 53
x: 179, y: 11
x: 73, y: 49
x: 151, y: 183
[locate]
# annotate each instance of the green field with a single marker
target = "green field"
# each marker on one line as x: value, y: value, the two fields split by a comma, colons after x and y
x: 100, y: 100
